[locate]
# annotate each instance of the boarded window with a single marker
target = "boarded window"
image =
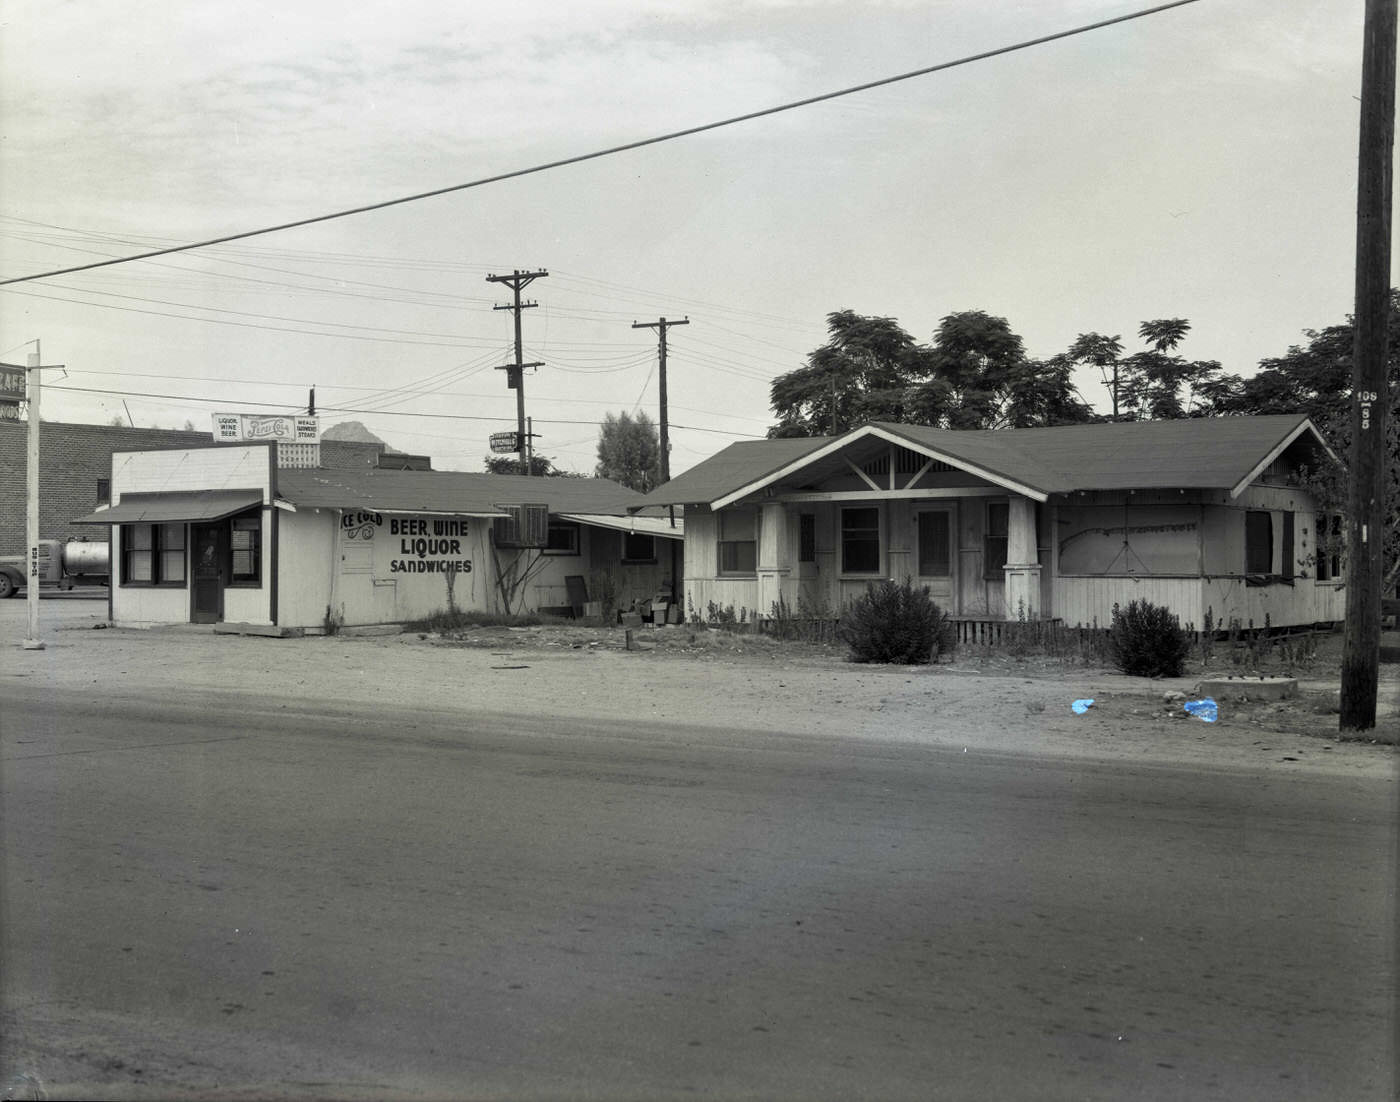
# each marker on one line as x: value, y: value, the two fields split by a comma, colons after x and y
x: 738, y: 545
x: 935, y: 559
x: 1258, y: 542
x: 860, y: 540
x: 523, y: 526
x: 994, y: 540
x: 807, y: 537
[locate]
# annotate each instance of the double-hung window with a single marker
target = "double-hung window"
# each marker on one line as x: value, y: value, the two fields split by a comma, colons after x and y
x: 153, y: 554
x: 860, y: 540
x: 738, y: 542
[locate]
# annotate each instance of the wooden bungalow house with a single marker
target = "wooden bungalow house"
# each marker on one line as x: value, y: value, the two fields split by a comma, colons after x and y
x: 1204, y: 516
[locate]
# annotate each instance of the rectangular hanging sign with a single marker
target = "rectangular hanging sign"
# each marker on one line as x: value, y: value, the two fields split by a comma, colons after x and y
x: 263, y: 427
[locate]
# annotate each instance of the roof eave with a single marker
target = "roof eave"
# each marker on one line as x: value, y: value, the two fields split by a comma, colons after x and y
x: 882, y: 433
x: 1305, y: 425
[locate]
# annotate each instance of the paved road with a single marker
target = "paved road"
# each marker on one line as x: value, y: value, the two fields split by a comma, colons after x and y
x: 317, y: 901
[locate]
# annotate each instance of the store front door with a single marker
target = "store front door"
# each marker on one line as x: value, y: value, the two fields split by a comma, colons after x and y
x: 207, y: 556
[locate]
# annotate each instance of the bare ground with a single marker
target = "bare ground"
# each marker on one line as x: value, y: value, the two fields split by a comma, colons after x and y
x: 684, y: 676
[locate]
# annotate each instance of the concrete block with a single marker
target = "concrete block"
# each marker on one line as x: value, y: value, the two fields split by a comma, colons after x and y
x: 1248, y: 688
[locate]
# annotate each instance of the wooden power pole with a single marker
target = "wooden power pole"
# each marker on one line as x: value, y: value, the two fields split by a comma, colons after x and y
x: 664, y: 427
x: 1370, y: 392
x: 515, y: 373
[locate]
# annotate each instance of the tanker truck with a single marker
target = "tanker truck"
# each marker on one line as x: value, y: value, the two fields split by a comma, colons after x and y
x: 62, y: 563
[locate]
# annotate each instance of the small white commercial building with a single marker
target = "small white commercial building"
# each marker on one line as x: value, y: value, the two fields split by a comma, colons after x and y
x: 223, y: 535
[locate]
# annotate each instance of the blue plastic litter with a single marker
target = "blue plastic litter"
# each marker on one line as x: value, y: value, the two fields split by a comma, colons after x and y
x: 1082, y: 706
x: 1202, y: 709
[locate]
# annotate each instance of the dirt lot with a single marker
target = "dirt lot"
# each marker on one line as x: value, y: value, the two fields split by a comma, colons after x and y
x: 686, y: 677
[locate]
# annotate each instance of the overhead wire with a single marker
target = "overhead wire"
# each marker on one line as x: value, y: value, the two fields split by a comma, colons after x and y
x: 616, y: 149
x: 342, y: 409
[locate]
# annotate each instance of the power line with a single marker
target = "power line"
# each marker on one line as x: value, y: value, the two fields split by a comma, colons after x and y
x: 612, y: 150
x: 373, y: 412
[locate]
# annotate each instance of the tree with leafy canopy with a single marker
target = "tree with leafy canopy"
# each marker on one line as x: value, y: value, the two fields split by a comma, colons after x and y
x: 1155, y: 384
x: 1315, y: 379
x: 540, y: 466
x: 629, y: 451
x: 861, y: 374
x: 975, y: 374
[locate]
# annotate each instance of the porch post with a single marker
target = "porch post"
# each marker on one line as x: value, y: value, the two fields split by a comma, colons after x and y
x: 773, y: 557
x: 1022, y: 568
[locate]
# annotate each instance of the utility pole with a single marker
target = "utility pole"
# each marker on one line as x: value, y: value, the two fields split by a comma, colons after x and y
x: 1370, y: 392
x: 661, y: 327
x: 311, y: 403
x: 515, y: 373
x: 34, y: 391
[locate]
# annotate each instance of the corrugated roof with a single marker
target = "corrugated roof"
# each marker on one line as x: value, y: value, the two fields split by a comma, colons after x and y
x: 1195, y: 453
x: 456, y: 492
x: 642, y: 525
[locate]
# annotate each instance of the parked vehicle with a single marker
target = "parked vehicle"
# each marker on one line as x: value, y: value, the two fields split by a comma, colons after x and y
x: 62, y: 563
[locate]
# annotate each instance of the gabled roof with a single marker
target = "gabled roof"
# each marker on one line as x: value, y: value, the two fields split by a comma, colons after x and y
x: 736, y: 465
x: 455, y: 492
x: 1197, y: 453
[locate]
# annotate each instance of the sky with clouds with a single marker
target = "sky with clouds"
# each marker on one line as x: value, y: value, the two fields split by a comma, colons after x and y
x: 1197, y: 163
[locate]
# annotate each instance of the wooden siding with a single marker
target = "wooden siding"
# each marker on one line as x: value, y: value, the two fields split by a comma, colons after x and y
x: 1303, y: 602
x: 1084, y: 602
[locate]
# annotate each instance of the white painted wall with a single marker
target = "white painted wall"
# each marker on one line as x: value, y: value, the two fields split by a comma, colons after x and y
x: 305, y: 561
x: 192, y: 469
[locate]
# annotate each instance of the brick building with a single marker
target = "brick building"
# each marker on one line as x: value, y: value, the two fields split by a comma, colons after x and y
x: 75, y: 464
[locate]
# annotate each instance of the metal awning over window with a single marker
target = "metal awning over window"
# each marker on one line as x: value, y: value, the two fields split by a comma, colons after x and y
x: 198, y: 505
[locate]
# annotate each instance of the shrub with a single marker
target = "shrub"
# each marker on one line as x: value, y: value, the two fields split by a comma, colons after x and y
x: 896, y: 623
x: 1147, y: 640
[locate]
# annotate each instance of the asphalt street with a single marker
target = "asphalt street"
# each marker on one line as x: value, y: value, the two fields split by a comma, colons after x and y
x: 214, y: 897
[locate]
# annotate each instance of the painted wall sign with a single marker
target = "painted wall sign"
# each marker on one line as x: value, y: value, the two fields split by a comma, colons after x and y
x: 429, y: 545
x: 11, y: 382
x: 361, y: 525
x: 261, y: 428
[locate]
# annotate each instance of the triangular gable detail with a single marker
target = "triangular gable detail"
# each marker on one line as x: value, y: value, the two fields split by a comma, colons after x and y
x: 1277, y: 450
x: 880, y: 433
